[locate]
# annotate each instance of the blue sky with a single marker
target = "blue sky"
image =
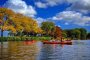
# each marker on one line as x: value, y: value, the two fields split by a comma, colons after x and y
x: 67, y: 14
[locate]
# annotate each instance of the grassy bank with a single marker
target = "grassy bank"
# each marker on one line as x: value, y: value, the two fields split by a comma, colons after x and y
x: 23, y: 38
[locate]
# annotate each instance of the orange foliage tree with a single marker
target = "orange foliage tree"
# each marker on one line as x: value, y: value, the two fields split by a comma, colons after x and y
x: 58, y: 32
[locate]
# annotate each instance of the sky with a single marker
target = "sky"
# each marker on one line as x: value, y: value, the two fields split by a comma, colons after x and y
x: 67, y: 14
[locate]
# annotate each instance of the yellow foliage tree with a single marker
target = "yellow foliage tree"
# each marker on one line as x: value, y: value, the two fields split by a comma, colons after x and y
x: 16, y: 22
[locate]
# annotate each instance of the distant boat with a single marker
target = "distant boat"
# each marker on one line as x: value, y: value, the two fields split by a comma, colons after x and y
x: 57, y: 42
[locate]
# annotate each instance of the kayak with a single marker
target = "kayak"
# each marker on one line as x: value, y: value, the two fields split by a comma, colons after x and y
x: 55, y: 42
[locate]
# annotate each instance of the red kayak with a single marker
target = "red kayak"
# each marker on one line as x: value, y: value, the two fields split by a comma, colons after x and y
x: 55, y: 42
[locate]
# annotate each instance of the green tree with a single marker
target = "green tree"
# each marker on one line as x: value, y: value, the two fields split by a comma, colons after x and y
x: 69, y: 33
x: 76, y: 34
x: 48, y: 27
x: 88, y: 35
x: 83, y: 33
x: 64, y: 34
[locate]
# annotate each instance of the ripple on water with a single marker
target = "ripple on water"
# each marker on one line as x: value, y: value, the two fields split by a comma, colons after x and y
x: 80, y: 50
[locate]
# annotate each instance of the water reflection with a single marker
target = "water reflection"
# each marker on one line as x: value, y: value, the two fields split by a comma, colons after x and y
x: 32, y: 50
x: 4, y: 51
x: 19, y: 51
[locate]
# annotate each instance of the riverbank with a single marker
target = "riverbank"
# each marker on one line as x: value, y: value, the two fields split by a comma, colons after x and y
x: 18, y: 38
x: 23, y: 38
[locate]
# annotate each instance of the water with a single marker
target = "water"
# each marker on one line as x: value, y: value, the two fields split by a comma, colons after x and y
x: 26, y: 50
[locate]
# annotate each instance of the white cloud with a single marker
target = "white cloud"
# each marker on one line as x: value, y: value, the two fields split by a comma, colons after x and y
x: 54, y: 2
x: 66, y: 23
x: 19, y: 6
x: 67, y: 15
x: 71, y: 1
x: 40, y: 20
x: 81, y: 6
x: 40, y: 5
x: 58, y: 25
x: 75, y: 5
x: 48, y: 3
x: 72, y: 17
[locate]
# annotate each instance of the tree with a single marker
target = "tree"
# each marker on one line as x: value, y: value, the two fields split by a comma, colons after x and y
x: 88, y: 35
x: 75, y: 34
x: 58, y: 32
x: 17, y: 23
x: 5, y: 19
x: 69, y: 33
x: 83, y: 33
x: 48, y: 27
x: 64, y: 34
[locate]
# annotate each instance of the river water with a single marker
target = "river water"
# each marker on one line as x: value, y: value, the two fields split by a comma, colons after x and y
x: 26, y: 50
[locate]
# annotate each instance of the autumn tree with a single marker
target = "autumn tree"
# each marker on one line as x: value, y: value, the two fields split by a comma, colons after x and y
x: 17, y: 23
x: 58, y: 32
x: 5, y: 20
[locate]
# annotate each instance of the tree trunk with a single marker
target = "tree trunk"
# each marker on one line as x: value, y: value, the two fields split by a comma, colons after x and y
x: 1, y: 33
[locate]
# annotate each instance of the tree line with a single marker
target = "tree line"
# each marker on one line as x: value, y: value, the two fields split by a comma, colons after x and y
x: 77, y: 33
x: 56, y: 32
x: 19, y: 25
